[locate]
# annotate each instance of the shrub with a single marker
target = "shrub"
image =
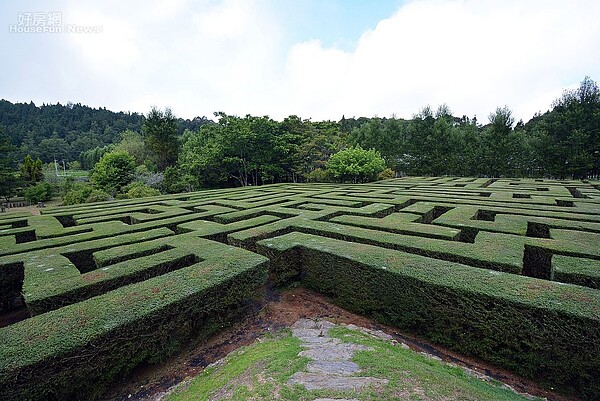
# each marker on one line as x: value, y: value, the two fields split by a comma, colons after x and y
x: 41, y: 192
x: 149, y: 178
x: 175, y: 182
x: 318, y: 175
x: 74, y: 165
x: 76, y: 193
x: 355, y: 165
x: 139, y: 190
x: 97, y: 195
x: 113, y: 171
x: 386, y: 174
x: 66, y: 185
x: 83, y: 193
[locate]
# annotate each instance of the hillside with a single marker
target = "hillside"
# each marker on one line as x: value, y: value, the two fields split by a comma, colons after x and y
x: 64, y: 131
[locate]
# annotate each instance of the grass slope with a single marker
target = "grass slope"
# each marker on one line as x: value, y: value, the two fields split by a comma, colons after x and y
x: 261, y: 371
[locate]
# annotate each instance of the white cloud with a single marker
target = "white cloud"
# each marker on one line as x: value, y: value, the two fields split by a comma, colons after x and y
x: 111, y: 51
x: 473, y: 55
x: 203, y: 56
x: 196, y: 58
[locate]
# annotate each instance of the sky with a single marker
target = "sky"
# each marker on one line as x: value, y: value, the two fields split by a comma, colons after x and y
x: 310, y: 58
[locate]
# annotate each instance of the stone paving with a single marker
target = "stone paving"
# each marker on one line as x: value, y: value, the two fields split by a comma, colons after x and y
x: 331, y: 365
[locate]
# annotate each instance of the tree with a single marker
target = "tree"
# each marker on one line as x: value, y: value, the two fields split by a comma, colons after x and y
x: 291, y: 138
x: 177, y: 179
x: 9, y: 182
x: 500, y: 147
x: 41, y: 192
x: 384, y: 135
x: 570, y: 134
x: 247, y: 151
x: 323, y: 139
x: 54, y: 148
x: 200, y: 159
x: 92, y: 156
x: 160, y: 135
x: 31, y: 170
x: 134, y: 144
x: 139, y: 190
x: 113, y: 171
x: 356, y: 165
x: 444, y: 145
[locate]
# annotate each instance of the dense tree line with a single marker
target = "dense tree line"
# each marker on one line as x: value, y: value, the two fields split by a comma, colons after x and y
x: 563, y: 142
x: 255, y: 150
x: 163, y: 152
x: 66, y: 131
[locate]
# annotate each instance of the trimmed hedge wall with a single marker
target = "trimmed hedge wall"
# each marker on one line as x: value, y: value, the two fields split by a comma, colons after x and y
x: 492, y: 251
x: 72, y: 352
x: 107, y: 229
x: 578, y: 271
x: 430, y: 255
x: 539, y: 329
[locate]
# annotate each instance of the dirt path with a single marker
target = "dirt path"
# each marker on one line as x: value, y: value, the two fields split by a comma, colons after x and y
x: 33, y: 209
x: 279, y: 311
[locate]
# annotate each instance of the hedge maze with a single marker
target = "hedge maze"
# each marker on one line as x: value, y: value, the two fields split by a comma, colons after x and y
x: 507, y: 270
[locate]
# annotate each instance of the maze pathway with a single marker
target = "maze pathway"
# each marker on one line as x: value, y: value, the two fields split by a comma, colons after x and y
x: 507, y: 270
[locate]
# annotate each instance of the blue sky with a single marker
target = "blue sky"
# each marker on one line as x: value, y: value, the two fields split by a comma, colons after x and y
x: 336, y: 23
x: 315, y: 59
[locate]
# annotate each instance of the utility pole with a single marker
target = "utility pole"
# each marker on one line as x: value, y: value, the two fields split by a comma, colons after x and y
x: 56, y: 168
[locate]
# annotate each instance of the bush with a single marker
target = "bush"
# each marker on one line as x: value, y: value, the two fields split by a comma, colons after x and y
x: 318, y: 175
x: 113, y: 171
x: 175, y: 182
x: 74, y: 165
x: 97, y: 195
x: 139, y: 190
x: 386, y: 174
x: 83, y: 193
x: 355, y: 165
x: 76, y: 193
x: 41, y: 192
x: 149, y: 178
x: 66, y: 185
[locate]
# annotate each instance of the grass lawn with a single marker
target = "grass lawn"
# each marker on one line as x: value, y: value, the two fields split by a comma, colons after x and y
x: 261, y: 371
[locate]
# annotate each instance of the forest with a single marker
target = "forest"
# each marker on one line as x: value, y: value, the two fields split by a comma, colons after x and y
x: 167, y: 154
x: 65, y: 131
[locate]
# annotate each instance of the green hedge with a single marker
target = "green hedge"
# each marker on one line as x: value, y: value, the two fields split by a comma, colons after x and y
x: 218, y: 232
x: 384, y: 249
x: 109, y: 229
x: 493, y: 251
x: 578, y: 271
x: 99, y: 231
x: 11, y: 284
x: 400, y: 223
x: 539, y: 329
x: 73, y: 352
x: 50, y: 274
